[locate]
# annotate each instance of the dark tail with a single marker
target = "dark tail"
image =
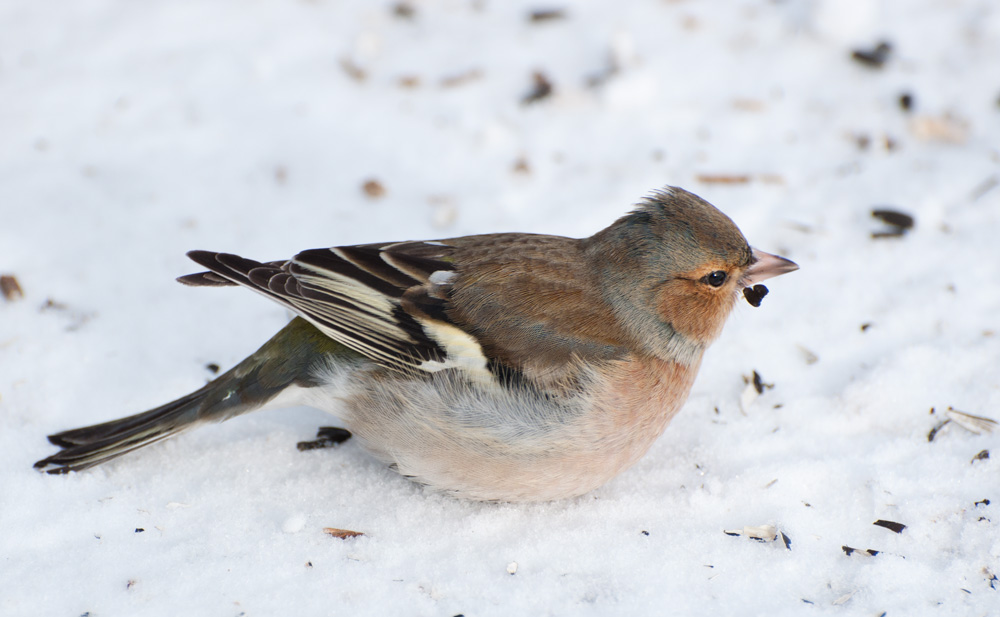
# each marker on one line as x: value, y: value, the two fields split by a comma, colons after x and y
x: 93, y: 445
x: 285, y: 360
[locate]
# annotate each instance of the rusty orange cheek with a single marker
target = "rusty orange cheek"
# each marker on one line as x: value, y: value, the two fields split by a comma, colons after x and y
x: 695, y: 313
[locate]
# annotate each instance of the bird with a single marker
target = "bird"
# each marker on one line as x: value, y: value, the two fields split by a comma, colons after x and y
x: 497, y: 367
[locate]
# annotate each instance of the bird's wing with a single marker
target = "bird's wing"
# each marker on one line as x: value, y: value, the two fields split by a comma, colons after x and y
x: 387, y: 302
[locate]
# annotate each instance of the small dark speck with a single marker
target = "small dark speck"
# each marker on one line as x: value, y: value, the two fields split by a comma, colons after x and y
x: 906, y: 101
x: 982, y: 502
x: 899, y: 222
x: 934, y: 431
x: 966, y: 590
x: 865, y: 326
x: 807, y: 601
x: 982, y: 456
x: 541, y: 88
x: 894, y: 218
x: 540, y: 15
x: 139, y: 530
x: 890, y: 525
x: 213, y: 368
x: 759, y: 385
x: 373, y: 188
x: 644, y: 532
x: 874, y: 57
x: 404, y: 10
x: 10, y: 288
x: 786, y: 540
x: 889, y: 233
x: 731, y: 533
x: 352, y: 70
x: 309, y: 564
x: 850, y: 550
x: 53, y: 305
x: 884, y: 613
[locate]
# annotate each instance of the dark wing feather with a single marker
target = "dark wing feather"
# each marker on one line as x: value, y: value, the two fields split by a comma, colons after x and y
x: 387, y: 302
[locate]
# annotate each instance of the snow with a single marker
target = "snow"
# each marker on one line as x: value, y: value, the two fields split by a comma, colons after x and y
x: 133, y: 132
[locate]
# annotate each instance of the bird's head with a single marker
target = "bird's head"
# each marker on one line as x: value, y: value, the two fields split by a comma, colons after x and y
x: 673, y: 269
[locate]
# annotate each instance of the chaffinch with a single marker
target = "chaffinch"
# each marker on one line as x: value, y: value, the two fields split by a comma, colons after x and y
x: 494, y: 367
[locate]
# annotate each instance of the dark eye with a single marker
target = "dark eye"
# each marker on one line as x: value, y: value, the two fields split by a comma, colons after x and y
x: 715, y: 279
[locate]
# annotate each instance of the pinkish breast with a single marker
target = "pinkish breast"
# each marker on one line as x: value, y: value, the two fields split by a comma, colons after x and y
x: 492, y: 444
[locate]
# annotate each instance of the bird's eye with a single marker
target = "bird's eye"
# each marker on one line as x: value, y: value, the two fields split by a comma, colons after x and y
x: 715, y: 279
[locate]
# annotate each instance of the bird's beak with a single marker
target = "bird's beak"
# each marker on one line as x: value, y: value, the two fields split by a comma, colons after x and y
x: 765, y: 266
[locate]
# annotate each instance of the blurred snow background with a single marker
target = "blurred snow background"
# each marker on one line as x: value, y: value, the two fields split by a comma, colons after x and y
x: 131, y: 132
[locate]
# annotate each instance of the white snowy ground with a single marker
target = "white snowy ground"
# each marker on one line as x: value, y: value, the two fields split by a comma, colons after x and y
x: 131, y: 132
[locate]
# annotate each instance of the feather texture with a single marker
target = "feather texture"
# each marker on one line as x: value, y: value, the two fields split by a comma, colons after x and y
x: 386, y: 302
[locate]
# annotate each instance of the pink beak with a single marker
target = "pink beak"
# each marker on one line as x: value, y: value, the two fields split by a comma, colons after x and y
x: 765, y: 266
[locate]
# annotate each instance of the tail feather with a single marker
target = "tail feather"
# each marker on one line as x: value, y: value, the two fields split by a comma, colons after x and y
x: 120, y: 427
x: 287, y: 359
x: 92, y: 445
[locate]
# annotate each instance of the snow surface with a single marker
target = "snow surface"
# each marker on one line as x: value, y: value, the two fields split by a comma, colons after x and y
x: 135, y: 131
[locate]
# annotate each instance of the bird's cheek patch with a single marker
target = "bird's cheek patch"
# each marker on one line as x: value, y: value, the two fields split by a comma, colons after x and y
x: 691, y: 312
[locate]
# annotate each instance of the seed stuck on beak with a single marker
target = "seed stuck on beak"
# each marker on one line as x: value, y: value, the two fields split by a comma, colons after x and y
x: 763, y: 267
x: 754, y: 294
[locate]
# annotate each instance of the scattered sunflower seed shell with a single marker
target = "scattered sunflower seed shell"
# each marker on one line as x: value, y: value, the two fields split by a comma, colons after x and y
x: 765, y: 533
x: 849, y: 550
x: 972, y: 423
x: 343, y: 534
x: 890, y: 525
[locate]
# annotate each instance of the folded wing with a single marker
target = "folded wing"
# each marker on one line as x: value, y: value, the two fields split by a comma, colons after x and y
x: 387, y: 302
